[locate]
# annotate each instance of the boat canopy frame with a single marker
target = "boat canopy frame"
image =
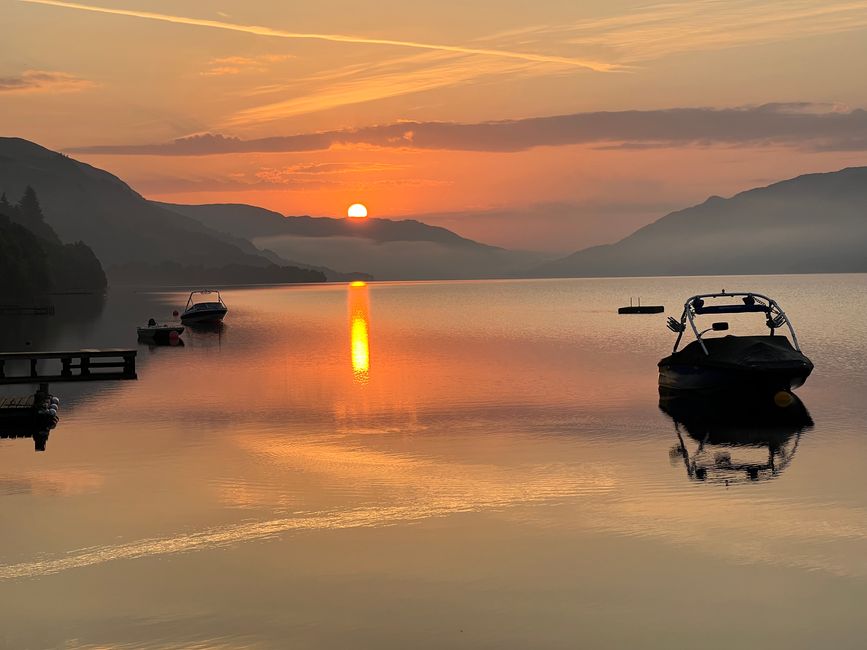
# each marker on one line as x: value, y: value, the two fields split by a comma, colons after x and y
x: 190, y: 302
x: 751, y: 302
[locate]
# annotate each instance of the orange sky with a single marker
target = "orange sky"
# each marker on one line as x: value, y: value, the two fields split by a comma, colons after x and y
x: 371, y: 91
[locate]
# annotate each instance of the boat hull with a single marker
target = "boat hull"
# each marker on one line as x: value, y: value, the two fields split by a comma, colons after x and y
x: 160, y: 334
x: 746, y: 363
x: 202, y: 316
x: 707, y: 379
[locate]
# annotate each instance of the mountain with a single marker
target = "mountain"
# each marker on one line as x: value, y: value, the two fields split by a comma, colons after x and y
x: 251, y: 223
x: 83, y: 203
x: 389, y: 249
x: 816, y: 223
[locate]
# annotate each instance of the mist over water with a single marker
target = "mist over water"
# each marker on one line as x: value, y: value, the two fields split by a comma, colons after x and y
x: 433, y: 465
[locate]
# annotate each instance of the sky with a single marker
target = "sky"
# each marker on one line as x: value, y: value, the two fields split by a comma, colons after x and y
x: 551, y: 125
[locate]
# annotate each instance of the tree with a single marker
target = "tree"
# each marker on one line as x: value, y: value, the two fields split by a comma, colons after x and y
x: 30, y: 215
x: 29, y: 206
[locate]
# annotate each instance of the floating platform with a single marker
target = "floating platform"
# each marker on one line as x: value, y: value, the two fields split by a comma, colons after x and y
x: 641, y: 309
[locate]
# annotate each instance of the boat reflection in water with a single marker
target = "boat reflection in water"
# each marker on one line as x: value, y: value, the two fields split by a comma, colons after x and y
x: 359, y: 331
x: 729, y: 438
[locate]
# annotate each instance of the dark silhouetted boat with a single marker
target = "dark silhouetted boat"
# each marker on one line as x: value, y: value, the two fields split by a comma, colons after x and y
x: 203, y: 308
x: 764, y: 363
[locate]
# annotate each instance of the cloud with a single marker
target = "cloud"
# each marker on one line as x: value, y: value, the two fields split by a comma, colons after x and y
x: 355, y: 85
x: 259, y: 30
x: 232, y: 65
x: 808, y: 126
x: 300, y: 176
x: 329, y: 168
x: 43, y: 81
x: 659, y: 30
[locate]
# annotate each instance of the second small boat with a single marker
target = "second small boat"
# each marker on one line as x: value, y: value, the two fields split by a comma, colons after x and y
x: 202, y: 308
x: 159, y: 332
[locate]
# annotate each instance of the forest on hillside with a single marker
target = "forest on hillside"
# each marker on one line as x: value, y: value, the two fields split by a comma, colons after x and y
x: 33, y: 260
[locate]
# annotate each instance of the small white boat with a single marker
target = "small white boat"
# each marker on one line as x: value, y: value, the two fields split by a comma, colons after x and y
x: 159, y: 332
x: 202, y: 308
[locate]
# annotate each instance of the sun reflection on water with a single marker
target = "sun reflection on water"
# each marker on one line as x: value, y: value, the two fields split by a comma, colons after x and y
x: 359, y: 331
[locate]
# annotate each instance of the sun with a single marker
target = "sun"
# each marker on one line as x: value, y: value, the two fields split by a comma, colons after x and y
x: 356, y: 211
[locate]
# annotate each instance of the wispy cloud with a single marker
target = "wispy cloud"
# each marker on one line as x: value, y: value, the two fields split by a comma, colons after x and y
x: 659, y: 30
x: 299, y: 176
x: 328, y: 168
x: 804, y: 125
x: 258, y: 30
x: 370, y: 83
x: 43, y: 81
x: 232, y: 65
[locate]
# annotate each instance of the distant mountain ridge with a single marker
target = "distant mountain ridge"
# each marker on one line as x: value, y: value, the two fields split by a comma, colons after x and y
x: 389, y: 249
x: 84, y: 203
x: 815, y: 223
x: 252, y: 222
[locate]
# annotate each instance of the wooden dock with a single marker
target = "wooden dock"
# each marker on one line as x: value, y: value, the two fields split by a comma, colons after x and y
x: 80, y: 365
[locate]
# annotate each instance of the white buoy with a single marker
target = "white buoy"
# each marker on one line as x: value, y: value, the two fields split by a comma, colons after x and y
x: 53, y: 411
x: 55, y: 401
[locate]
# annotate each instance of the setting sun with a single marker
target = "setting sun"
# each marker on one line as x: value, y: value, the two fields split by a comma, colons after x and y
x: 356, y: 211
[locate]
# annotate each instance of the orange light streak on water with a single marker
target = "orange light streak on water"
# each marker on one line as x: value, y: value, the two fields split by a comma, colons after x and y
x: 359, y: 331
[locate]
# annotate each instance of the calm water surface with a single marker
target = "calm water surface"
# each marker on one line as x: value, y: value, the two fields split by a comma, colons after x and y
x: 434, y: 465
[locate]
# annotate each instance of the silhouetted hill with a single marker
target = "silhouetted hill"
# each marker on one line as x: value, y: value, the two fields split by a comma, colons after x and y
x: 815, y: 223
x: 88, y: 204
x: 389, y: 249
x: 125, y: 230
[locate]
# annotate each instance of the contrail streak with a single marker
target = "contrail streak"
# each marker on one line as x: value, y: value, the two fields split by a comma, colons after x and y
x: 335, y: 38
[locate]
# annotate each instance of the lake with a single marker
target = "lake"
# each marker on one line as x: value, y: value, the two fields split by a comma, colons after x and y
x: 434, y: 465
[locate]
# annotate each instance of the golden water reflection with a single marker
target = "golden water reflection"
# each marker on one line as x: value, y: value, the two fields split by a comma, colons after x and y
x: 359, y: 331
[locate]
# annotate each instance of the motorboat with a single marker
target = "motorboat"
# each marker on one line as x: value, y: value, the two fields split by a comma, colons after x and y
x: 159, y: 332
x: 760, y: 363
x: 730, y: 437
x: 204, y: 306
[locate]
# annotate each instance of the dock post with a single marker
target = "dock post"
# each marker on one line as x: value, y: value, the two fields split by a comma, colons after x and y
x: 129, y: 365
x: 41, y: 394
x: 33, y: 367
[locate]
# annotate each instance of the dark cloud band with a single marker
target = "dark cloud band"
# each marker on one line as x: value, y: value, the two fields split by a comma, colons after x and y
x: 805, y: 125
